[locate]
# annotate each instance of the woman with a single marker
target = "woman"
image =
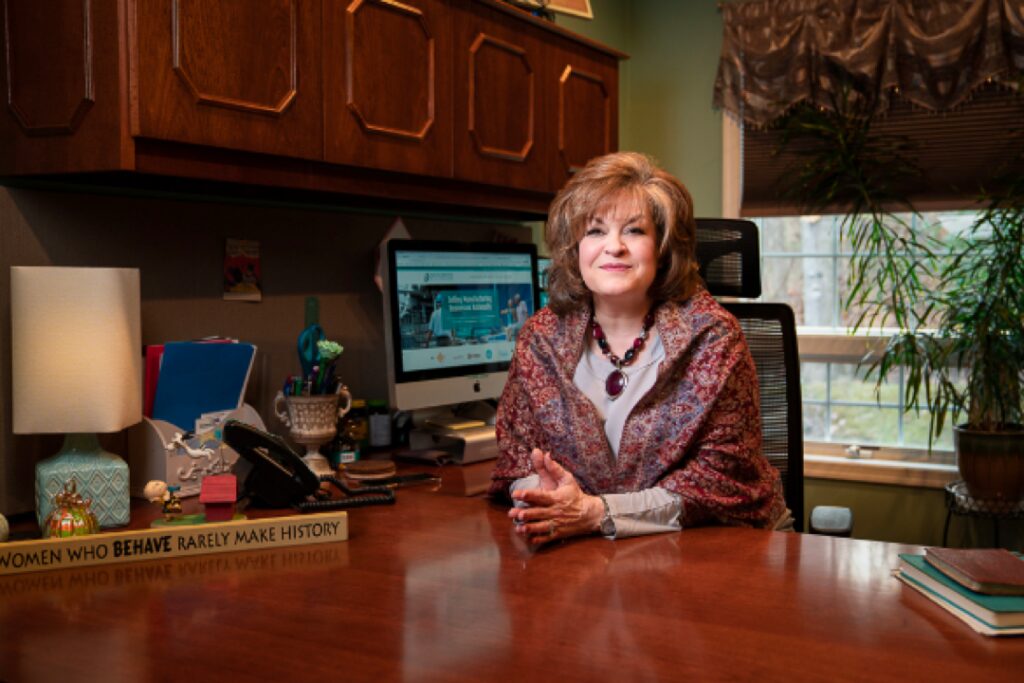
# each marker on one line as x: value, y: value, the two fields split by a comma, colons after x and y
x: 631, y: 402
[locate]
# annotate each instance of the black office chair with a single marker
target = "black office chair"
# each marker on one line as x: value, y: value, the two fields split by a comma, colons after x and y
x: 729, y: 257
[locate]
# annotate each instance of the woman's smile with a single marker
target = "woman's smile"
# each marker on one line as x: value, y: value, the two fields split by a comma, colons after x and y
x: 618, y: 254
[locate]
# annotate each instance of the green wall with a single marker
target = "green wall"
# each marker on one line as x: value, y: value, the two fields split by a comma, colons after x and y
x: 666, y: 85
x: 905, y: 514
x: 665, y: 111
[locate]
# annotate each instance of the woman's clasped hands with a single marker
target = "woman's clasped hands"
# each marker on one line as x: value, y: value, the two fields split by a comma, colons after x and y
x: 558, y: 508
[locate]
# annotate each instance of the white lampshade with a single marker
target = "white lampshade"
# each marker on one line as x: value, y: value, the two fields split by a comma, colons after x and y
x: 76, y: 340
x: 77, y: 370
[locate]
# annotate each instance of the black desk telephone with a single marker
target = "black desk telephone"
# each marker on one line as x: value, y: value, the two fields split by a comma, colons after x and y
x: 270, y: 473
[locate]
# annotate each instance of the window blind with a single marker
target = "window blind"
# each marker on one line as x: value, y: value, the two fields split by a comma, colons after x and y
x: 958, y: 152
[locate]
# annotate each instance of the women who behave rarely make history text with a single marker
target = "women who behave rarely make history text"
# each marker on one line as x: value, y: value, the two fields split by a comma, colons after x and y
x: 148, y: 544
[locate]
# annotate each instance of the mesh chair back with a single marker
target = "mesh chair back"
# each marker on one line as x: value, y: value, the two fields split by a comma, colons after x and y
x: 729, y: 257
x: 770, y: 330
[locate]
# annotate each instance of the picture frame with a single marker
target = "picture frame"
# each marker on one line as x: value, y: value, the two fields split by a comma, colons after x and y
x: 577, y: 8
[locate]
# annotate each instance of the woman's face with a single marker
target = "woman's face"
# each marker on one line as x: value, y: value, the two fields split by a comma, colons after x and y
x: 618, y: 252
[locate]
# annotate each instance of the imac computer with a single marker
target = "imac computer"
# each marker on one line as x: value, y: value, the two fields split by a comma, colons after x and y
x: 543, y: 264
x: 452, y: 312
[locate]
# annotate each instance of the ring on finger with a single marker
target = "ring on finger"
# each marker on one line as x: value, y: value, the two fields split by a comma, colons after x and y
x: 551, y: 527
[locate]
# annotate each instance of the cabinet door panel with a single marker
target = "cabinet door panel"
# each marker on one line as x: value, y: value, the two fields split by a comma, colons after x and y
x: 47, y: 94
x: 387, y: 84
x: 58, y: 72
x: 498, y: 67
x: 59, y: 77
x: 230, y: 73
x: 585, y: 113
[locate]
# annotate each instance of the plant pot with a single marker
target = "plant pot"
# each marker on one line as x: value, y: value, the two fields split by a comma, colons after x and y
x: 991, y: 463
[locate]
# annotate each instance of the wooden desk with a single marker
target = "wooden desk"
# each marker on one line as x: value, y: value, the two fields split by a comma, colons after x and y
x: 436, y: 588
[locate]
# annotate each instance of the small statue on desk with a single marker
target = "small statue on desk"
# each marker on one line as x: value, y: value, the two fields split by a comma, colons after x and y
x: 165, y: 496
x: 203, y: 460
x: 172, y: 504
x: 70, y: 515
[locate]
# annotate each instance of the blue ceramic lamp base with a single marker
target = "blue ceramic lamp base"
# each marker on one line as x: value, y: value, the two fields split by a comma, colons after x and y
x: 100, y: 476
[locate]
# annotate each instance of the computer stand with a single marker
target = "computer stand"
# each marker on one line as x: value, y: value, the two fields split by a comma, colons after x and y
x: 466, y: 435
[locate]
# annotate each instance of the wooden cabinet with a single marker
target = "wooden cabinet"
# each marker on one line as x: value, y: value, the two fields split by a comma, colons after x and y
x: 387, y: 85
x: 500, y: 128
x: 585, y: 121
x: 62, y: 111
x: 531, y: 108
x: 457, y: 102
x: 228, y: 73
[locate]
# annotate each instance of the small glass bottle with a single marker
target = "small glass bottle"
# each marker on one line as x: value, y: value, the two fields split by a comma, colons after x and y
x: 380, y: 424
x: 343, y: 450
x: 357, y: 424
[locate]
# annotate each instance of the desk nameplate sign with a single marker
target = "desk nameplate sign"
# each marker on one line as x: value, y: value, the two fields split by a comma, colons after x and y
x: 160, y: 543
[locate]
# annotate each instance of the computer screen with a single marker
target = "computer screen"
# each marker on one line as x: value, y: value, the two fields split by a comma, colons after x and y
x: 453, y: 311
x: 543, y: 263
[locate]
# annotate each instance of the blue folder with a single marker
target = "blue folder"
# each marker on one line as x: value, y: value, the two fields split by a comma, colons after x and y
x: 197, y: 378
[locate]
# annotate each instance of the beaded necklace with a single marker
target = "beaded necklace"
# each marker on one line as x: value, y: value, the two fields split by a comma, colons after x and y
x: 616, y: 381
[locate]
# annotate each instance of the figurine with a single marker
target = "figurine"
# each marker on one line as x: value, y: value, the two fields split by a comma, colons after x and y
x: 165, y: 496
x: 154, y: 491
x: 70, y: 515
x: 218, y: 496
x: 204, y: 460
x: 172, y: 504
x: 5, y: 529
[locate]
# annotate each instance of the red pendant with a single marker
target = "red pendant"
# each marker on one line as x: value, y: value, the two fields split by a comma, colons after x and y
x: 615, y: 383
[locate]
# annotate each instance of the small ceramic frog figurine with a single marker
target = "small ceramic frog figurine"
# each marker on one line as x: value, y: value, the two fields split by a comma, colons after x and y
x: 70, y: 515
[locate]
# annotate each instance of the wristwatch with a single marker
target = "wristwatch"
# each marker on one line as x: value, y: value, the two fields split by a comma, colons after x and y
x: 607, y: 527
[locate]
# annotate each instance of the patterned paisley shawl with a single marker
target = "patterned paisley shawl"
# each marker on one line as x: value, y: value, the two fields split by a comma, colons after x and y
x: 697, y: 432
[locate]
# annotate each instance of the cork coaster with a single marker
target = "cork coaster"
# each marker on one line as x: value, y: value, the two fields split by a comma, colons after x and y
x: 368, y: 469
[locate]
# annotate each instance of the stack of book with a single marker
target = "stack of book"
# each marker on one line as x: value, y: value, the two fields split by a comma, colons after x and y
x: 983, y: 588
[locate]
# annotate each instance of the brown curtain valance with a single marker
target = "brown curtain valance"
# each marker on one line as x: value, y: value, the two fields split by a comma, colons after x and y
x: 934, y: 53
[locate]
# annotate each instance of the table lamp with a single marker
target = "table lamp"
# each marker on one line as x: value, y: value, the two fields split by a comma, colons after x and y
x: 76, y: 370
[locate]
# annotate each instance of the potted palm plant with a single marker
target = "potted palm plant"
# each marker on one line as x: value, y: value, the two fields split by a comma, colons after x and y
x: 956, y: 322
x: 971, y: 363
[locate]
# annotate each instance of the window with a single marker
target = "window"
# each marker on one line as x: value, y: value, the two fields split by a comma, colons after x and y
x: 938, y: 108
x: 805, y: 264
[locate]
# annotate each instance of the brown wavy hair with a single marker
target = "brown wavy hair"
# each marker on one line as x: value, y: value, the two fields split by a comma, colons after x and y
x: 608, y: 178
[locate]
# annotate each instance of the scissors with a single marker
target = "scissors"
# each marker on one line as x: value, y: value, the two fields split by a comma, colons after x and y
x: 309, y: 355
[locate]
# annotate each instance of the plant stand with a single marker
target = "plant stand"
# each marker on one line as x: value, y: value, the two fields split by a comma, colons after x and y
x: 960, y: 502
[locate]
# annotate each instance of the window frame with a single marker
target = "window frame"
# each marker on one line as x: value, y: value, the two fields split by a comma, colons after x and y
x: 823, y: 345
